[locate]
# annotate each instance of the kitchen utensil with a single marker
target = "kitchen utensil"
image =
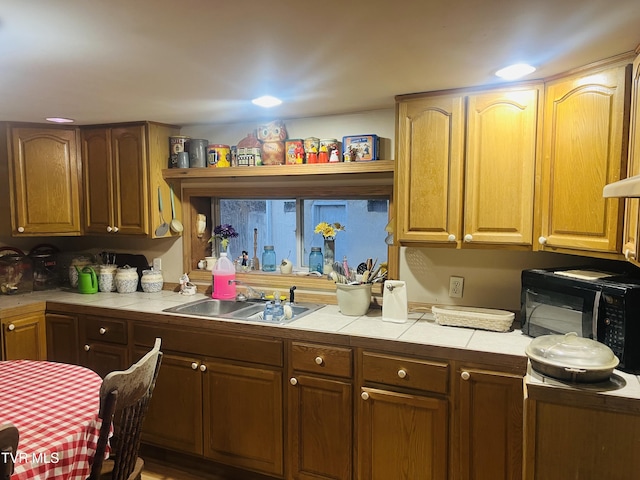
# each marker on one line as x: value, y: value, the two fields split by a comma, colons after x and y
x: 87, y: 280
x: 570, y: 357
x: 394, y: 301
x: 162, y: 230
x: 176, y: 225
x: 256, y: 262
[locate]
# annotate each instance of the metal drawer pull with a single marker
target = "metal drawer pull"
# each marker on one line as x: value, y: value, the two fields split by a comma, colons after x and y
x: 194, y: 365
x: 364, y: 395
x: 319, y: 360
x: 102, y: 330
x: 465, y: 375
x: 293, y: 381
x: 402, y: 373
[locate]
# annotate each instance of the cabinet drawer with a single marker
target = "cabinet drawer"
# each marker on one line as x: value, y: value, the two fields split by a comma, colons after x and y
x: 105, y: 330
x: 412, y: 373
x: 321, y: 359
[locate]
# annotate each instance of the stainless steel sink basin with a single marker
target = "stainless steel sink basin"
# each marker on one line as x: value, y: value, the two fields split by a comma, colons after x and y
x: 250, y: 310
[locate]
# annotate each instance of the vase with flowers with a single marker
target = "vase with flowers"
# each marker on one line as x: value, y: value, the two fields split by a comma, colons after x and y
x: 224, y: 272
x: 328, y: 232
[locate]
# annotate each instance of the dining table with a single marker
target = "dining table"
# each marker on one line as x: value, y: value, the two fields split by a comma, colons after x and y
x: 55, y: 408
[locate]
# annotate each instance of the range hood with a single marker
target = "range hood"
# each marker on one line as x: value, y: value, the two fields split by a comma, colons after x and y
x: 626, y: 188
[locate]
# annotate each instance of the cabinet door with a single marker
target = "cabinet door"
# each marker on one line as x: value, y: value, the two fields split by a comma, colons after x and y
x: 62, y: 338
x: 500, y: 167
x: 130, y: 180
x: 24, y: 337
x: 177, y: 396
x: 45, y: 181
x: 243, y: 417
x: 584, y: 149
x: 401, y: 436
x: 490, y: 405
x: 631, y: 245
x: 104, y: 358
x: 320, y: 428
x: 98, y: 180
x: 429, y: 173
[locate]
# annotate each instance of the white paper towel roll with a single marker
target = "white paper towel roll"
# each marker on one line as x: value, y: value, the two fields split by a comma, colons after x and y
x: 394, y: 302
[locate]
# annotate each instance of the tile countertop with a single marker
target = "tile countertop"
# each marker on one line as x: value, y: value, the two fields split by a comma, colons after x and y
x: 420, y: 328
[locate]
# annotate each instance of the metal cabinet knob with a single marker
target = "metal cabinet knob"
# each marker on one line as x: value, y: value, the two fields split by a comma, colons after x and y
x: 203, y: 368
x: 465, y: 375
x: 194, y: 365
x: 102, y: 330
x: 364, y: 395
x: 21, y: 229
x: 468, y: 237
x: 542, y: 240
x: 11, y: 327
x: 319, y: 360
x: 451, y: 237
x: 87, y: 348
x: 293, y: 381
x: 402, y: 373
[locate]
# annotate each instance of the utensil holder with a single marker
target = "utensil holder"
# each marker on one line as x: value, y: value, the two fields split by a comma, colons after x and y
x: 353, y: 300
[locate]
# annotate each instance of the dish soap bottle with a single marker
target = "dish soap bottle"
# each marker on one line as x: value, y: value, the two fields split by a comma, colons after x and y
x: 224, y: 274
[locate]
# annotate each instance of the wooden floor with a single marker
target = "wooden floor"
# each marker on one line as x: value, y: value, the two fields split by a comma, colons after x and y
x: 157, y: 471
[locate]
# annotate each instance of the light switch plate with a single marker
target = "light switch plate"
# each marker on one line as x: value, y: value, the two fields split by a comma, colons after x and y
x: 455, y: 287
x: 157, y: 263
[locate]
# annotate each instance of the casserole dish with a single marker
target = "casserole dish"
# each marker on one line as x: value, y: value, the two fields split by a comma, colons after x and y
x: 570, y: 357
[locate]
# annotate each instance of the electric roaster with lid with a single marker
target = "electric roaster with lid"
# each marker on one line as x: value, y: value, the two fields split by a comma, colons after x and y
x: 570, y: 357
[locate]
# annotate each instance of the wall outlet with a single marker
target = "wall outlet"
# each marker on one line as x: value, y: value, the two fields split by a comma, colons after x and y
x: 455, y: 287
x: 157, y: 263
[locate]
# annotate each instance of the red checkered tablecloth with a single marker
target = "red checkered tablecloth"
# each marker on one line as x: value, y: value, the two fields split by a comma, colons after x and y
x: 55, y: 408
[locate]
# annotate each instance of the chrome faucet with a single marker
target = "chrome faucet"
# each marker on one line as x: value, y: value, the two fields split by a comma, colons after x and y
x: 253, y: 293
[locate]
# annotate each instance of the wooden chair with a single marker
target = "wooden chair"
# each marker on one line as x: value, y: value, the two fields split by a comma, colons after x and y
x: 8, y: 446
x: 126, y: 395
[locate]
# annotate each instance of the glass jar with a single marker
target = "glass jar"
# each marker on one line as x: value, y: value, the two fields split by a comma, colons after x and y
x: 269, y: 259
x: 151, y: 281
x: 126, y: 279
x: 316, y: 260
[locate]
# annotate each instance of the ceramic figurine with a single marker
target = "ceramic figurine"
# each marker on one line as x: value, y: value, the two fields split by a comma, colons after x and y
x: 272, y: 136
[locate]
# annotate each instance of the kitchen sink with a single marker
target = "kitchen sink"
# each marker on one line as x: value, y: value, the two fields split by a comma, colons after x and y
x: 250, y: 310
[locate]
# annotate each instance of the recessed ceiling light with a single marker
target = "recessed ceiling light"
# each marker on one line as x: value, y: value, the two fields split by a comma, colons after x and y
x: 513, y: 72
x: 59, y: 120
x: 266, y: 101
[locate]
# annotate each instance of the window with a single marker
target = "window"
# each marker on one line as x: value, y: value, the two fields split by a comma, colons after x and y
x: 288, y: 225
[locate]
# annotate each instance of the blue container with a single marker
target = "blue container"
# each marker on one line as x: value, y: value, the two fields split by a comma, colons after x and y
x: 316, y: 261
x: 269, y: 259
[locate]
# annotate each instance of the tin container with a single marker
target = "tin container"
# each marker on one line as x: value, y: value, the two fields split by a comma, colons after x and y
x: 311, y: 148
x: 198, y: 153
x: 294, y: 150
x: 177, y: 144
x: 218, y: 155
x: 360, y: 148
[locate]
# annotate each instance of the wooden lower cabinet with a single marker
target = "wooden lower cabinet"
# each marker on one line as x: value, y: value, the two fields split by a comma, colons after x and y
x: 490, y: 425
x: 320, y: 412
x: 62, y: 338
x: 23, y: 337
x: 104, y: 342
x: 401, y: 436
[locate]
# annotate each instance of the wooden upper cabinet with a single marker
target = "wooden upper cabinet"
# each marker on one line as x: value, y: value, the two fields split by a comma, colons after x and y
x: 123, y: 171
x: 481, y: 195
x: 500, y: 167
x: 430, y: 136
x: 44, y: 179
x: 584, y: 148
x: 631, y: 246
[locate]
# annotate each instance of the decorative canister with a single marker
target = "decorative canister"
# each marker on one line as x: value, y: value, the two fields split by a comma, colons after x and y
x: 151, y: 281
x: 198, y: 153
x: 219, y: 155
x: 80, y: 262
x: 332, y: 147
x: 294, y: 148
x: 311, y: 148
x: 126, y: 279
x: 177, y: 144
x: 107, y: 278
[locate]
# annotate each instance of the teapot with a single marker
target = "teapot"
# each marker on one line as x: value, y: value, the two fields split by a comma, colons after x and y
x: 87, y: 280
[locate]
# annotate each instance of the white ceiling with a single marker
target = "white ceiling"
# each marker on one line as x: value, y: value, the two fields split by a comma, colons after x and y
x: 201, y: 61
